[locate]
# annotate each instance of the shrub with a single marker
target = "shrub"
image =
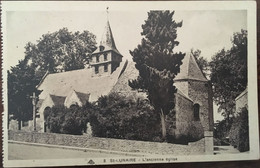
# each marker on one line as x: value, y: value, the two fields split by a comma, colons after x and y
x: 117, y: 116
x: 222, y: 129
x: 239, y: 132
x: 66, y: 120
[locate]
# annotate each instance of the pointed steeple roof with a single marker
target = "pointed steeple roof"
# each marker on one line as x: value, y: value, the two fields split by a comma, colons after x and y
x: 107, y: 38
x: 107, y: 41
x: 190, y: 70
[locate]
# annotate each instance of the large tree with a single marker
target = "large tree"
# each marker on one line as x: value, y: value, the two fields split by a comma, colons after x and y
x: 60, y: 51
x: 21, y: 84
x: 53, y: 52
x: 157, y: 63
x: 229, y: 74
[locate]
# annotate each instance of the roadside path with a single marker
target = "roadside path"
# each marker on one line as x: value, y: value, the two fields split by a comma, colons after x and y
x: 225, y: 150
x: 23, y: 151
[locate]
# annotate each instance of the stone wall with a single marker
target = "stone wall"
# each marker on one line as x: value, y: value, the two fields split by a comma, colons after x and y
x: 108, y: 143
x: 199, y: 93
x: 184, y: 115
x: 186, y: 126
x: 183, y: 86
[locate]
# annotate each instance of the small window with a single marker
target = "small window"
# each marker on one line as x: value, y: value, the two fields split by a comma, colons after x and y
x: 96, y: 69
x: 97, y: 58
x: 196, y: 112
x: 25, y: 123
x: 105, y: 56
x: 101, y: 48
x: 105, y: 68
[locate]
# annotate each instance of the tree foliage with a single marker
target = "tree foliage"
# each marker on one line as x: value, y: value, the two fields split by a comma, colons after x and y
x: 229, y: 73
x: 117, y: 116
x: 157, y: 63
x: 239, y: 132
x: 64, y: 120
x: 21, y: 84
x: 53, y: 52
x: 112, y: 116
x: 60, y: 51
x: 236, y: 128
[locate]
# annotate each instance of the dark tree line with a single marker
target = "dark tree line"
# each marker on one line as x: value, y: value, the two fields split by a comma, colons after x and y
x: 229, y: 73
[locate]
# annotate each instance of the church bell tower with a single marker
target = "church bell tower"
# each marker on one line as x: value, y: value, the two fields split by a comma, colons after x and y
x: 106, y: 58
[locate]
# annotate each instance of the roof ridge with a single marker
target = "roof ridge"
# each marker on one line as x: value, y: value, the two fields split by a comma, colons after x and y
x: 188, y: 63
x: 198, y: 65
x: 44, y: 76
x: 67, y: 71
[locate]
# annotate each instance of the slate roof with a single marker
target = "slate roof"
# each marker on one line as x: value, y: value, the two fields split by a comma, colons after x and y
x: 184, y: 95
x: 130, y: 73
x: 107, y: 41
x: 83, y: 97
x: 82, y: 81
x: 58, y: 100
x: 190, y: 70
x: 90, y: 88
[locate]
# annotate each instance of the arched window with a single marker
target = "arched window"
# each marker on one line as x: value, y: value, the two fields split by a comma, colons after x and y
x: 101, y: 48
x: 74, y: 106
x: 196, y: 112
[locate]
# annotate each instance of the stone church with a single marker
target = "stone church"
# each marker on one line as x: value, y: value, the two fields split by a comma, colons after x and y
x: 107, y: 73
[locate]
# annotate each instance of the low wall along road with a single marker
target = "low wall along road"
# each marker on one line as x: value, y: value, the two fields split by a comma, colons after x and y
x: 193, y: 148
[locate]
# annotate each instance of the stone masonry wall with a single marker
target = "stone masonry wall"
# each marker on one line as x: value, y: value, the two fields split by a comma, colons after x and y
x: 182, y: 85
x: 198, y: 92
x: 184, y: 115
x: 108, y: 143
x: 186, y: 127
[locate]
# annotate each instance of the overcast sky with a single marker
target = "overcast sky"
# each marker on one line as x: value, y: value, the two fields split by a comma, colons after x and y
x: 208, y: 31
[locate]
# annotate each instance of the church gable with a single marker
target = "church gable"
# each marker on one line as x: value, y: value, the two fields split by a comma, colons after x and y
x: 76, y: 98
x: 57, y: 100
x: 72, y: 99
x: 50, y: 101
x: 83, y: 97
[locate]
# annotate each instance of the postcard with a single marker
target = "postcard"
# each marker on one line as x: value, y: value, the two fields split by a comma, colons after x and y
x: 129, y: 82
